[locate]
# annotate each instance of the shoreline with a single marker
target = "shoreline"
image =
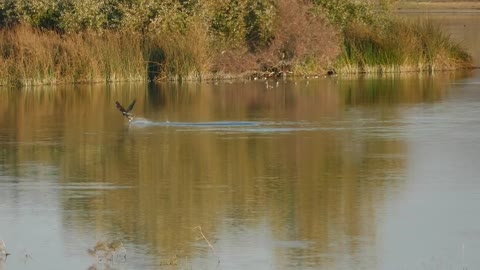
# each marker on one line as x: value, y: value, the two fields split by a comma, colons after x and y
x: 37, y: 56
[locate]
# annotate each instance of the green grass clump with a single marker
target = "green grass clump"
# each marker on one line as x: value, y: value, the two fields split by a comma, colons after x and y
x: 401, y: 46
x: 376, y: 41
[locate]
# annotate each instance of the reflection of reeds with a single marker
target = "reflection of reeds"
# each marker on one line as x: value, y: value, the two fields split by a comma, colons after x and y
x: 169, y: 168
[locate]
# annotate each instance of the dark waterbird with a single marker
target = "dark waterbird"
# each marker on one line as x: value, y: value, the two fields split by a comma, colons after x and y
x: 127, y: 112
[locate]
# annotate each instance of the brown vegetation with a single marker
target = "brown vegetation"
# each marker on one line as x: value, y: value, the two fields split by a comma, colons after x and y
x: 31, y: 56
x: 303, y: 43
x: 104, y: 41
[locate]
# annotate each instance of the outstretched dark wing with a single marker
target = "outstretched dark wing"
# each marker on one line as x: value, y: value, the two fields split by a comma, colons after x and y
x: 126, y: 112
x: 120, y: 107
x: 130, y: 107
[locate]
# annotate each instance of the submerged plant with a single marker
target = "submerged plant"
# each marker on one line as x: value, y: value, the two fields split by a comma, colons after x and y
x: 113, y: 251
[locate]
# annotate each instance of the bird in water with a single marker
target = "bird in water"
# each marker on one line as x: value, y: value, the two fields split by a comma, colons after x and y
x: 127, y: 112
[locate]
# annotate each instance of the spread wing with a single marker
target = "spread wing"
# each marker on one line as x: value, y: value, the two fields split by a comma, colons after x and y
x: 120, y: 107
x: 130, y: 107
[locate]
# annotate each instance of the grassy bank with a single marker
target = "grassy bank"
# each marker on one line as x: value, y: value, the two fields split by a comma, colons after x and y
x: 416, y: 46
x: 32, y: 57
x: 64, y: 41
x: 374, y: 40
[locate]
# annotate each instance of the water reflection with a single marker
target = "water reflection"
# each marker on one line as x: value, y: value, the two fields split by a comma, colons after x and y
x: 73, y: 169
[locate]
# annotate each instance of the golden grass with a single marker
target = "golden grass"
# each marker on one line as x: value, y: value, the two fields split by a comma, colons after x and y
x: 179, y: 56
x: 417, y: 46
x: 33, y: 57
x: 301, y: 45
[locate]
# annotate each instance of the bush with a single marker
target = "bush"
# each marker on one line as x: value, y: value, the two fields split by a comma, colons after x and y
x: 8, y: 13
x: 43, y: 14
x: 344, y: 13
x: 92, y: 15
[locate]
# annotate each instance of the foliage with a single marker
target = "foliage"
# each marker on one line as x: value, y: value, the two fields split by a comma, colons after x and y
x: 91, y: 14
x: 155, y: 16
x: 8, y: 13
x: 43, y: 13
x: 194, y: 38
x: 344, y: 13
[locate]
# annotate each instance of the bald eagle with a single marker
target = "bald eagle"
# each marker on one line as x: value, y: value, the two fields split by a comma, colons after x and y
x: 127, y: 112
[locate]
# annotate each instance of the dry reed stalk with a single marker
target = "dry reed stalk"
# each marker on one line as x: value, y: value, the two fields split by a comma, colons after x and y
x: 31, y: 57
x: 199, y: 228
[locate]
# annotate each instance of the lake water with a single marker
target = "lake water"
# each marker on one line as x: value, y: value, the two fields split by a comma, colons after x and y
x: 371, y: 172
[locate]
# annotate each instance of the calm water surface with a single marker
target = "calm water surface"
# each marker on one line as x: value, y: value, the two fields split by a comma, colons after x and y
x: 328, y: 173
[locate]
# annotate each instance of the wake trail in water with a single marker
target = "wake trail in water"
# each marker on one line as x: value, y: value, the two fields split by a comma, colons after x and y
x: 227, y: 126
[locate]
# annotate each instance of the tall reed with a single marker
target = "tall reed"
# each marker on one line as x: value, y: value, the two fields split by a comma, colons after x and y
x: 400, y: 46
x: 30, y: 56
x: 178, y: 56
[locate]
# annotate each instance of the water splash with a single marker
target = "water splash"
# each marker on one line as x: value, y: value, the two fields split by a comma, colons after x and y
x: 228, y: 126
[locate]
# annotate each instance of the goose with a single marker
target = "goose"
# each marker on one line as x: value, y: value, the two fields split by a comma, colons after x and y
x: 127, y: 112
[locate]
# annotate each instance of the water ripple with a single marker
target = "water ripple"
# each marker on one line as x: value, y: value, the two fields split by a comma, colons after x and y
x: 231, y: 126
